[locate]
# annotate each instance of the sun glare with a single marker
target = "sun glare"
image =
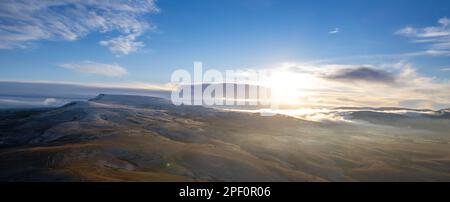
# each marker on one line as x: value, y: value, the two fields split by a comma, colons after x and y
x: 288, y: 88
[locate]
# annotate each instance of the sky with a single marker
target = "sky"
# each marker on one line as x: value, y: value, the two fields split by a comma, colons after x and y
x: 347, y: 52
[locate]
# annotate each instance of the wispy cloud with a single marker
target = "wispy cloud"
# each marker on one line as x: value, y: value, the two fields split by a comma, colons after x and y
x: 334, y: 31
x: 447, y: 69
x: 89, y: 67
x: 23, y: 22
x: 123, y: 45
x: 436, y: 37
x: 14, y: 102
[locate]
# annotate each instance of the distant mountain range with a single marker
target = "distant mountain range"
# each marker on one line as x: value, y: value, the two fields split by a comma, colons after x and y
x: 42, y: 94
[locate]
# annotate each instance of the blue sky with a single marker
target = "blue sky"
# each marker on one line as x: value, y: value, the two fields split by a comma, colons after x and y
x: 237, y: 34
x: 145, y: 41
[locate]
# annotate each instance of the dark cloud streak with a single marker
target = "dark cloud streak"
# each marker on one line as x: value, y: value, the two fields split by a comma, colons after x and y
x: 362, y: 74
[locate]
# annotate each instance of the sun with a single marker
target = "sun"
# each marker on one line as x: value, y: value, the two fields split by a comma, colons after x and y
x: 286, y: 87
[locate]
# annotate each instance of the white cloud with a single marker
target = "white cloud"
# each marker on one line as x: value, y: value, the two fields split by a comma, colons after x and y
x: 334, y: 31
x: 447, y: 69
x: 436, y: 37
x: 22, y: 22
x: 444, y: 21
x: 406, y: 31
x: 15, y: 102
x: 122, y: 45
x: 89, y: 67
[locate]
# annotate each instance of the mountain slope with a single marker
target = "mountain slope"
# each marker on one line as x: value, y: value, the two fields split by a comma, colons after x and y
x: 137, y: 138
